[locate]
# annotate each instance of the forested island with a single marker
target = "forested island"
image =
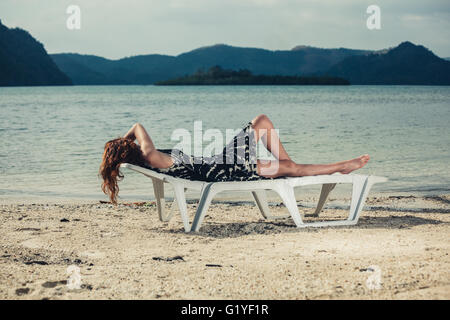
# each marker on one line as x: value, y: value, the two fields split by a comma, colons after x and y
x: 218, y: 76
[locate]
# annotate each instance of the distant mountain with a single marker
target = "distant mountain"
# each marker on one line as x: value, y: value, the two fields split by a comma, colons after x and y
x: 298, y: 61
x: 404, y: 64
x: 407, y: 64
x: 24, y: 61
x: 148, y: 69
x: 448, y: 58
x: 91, y: 70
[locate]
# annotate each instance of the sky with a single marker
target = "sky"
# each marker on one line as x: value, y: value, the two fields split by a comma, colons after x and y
x: 120, y: 28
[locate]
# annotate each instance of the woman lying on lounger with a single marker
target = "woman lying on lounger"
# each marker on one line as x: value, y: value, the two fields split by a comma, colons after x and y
x: 237, y: 162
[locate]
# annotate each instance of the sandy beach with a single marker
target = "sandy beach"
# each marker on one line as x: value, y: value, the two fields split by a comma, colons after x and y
x: 125, y: 252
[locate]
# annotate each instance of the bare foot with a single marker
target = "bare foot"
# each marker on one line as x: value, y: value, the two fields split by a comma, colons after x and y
x: 355, y: 164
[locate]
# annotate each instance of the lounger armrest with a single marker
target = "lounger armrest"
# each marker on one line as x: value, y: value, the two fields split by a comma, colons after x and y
x: 195, y: 185
x: 147, y: 172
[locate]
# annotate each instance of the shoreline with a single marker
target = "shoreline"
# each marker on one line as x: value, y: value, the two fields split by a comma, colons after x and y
x: 125, y: 252
x: 236, y: 197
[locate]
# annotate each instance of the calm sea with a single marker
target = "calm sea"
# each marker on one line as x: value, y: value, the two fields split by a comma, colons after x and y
x: 52, y: 138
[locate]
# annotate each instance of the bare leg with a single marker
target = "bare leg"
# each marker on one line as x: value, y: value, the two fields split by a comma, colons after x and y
x: 288, y: 168
x: 285, y: 167
x: 265, y: 131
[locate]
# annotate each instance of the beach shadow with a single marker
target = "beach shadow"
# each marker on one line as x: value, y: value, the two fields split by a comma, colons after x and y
x: 394, y: 222
x: 240, y: 229
x: 438, y: 198
x: 410, y: 210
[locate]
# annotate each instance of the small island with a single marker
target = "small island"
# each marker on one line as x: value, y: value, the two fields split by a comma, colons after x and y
x: 218, y: 76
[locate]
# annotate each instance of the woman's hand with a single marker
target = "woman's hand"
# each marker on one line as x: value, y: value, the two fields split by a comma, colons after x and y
x: 131, y: 133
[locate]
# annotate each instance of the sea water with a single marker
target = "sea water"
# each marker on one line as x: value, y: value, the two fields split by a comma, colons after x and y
x: 52, y: 138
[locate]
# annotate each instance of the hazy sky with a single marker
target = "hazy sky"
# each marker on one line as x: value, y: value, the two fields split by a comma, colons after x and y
x: 118, y: 28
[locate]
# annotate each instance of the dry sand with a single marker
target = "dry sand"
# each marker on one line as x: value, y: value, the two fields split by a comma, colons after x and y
x: 126, y: 252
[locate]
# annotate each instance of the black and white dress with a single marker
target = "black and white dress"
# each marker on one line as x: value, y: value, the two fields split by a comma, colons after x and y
x: 237, y: 162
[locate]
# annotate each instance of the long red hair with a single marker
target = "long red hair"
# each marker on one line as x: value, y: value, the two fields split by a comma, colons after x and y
x: 118, y: 151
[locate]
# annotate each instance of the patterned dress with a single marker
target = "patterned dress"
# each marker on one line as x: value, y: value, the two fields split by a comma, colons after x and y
x: 237, y: 162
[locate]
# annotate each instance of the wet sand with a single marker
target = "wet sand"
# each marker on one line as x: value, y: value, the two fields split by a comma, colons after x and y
x: 399, y: 250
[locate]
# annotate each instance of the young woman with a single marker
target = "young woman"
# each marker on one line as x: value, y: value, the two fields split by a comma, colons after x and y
x: 237, y: 162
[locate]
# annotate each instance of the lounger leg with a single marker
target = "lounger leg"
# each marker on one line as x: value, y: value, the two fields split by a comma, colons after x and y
x: 361, y: 188
x: 263, y: 206
x: 287, y: 194
x: 261, y: 202
x: 203, y: 205
x: 326, y: 189
x: 180, y: 198
x: 158, y: 187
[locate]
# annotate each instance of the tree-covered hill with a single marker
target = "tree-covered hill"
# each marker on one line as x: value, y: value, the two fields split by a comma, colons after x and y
x: 24, y: 61
x: 404, y: 64
x: 407, y: 64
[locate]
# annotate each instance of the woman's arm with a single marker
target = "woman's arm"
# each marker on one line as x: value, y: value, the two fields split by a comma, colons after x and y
x: 154, y: 157
x: 138, y: 132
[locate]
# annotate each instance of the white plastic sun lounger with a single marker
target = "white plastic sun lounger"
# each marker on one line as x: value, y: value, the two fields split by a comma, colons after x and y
x: 283, y: 186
